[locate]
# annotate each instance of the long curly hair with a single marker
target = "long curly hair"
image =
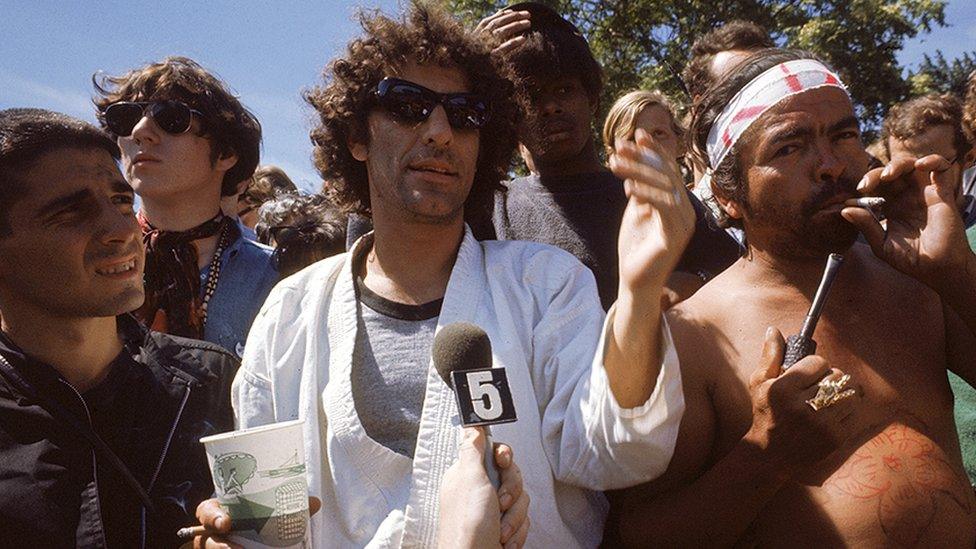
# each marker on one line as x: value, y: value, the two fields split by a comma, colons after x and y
x: 426, y: 35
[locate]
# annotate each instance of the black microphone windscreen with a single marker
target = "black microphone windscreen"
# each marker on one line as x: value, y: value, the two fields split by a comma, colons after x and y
x: 460, y: 346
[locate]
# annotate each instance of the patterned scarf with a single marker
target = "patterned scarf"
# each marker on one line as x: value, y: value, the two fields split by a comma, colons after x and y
x: 172, y: 278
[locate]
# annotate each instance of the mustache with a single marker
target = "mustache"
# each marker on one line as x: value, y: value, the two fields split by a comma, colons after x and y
x: 842, y: 186
x: 429, y: 153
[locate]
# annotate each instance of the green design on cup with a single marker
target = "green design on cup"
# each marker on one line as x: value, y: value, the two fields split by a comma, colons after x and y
x: 232, y: 471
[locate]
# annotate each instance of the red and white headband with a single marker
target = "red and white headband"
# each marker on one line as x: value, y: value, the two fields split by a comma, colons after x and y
x: 761, y: 94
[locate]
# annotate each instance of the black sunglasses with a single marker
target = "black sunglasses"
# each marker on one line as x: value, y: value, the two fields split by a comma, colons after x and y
x: 171, y: 116
x: 414, y: 103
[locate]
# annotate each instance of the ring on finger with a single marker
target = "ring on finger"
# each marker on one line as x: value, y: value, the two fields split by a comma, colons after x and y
x: 829, y: 392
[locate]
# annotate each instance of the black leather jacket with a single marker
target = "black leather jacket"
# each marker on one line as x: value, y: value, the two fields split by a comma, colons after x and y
x: 58, y: 490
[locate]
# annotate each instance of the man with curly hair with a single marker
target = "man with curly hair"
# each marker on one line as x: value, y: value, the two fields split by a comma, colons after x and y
x: 186, y: 142
x: 416, y: 129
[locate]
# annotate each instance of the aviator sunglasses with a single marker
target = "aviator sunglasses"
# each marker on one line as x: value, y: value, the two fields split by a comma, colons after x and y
x: 171, y: 116
x: 414, y: 103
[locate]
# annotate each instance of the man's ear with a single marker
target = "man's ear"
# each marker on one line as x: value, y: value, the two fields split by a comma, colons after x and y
x: 226, y: 162
x: 358, y: 150
x: 729, y: 206
x: 357, y: 143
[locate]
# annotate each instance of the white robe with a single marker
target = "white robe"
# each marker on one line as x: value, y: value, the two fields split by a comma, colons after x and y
x: 540, y: 308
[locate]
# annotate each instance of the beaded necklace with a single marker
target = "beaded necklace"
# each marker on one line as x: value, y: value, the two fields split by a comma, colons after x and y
x: 214, y: 275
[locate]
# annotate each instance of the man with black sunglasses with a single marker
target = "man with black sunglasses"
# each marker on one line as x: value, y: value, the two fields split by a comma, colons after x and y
x: 570, y: 199
x: 99, y: 418
x: 416, y: 129
x: 186, y: 143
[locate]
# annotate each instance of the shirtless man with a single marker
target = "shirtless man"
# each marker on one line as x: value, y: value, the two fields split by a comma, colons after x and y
x: 754, y: 464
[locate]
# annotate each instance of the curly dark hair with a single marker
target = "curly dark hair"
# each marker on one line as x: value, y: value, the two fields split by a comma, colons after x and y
x: 553, y: 48
x: 302, y: 228
x: 426, y: 35
x: 232, y: 129
x: 911, y: 118
x: 727, y: 178
x: 734, y: 35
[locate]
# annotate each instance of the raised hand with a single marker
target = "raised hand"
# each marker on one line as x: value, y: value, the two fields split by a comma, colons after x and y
x: 658, y: 221
x: 925, y: 236
x: 504, y: 29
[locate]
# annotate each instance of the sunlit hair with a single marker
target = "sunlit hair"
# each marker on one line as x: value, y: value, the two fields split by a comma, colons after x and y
x: 28, y: 134
x: 621, y: 121
x: 428, y: 36
x: 267, y: 182
x: 231, y: 128
x: 916, y: 116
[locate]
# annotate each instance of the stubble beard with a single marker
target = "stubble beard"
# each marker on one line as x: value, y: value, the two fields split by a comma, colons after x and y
x: 805, y: 234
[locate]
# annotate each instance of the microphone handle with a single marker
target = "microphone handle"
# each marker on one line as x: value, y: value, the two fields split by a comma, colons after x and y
x: 489, y: 461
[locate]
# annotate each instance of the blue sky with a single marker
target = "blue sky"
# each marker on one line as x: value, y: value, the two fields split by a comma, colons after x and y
x: 267, y: 51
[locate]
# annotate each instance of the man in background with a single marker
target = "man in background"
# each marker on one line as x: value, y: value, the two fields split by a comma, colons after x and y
x: 186, y: 141
x: 570, y: 199
x: 933, y: 124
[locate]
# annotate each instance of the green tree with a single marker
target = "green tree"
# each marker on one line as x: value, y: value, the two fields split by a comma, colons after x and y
x: 935, y: 74
x: 646, y: 43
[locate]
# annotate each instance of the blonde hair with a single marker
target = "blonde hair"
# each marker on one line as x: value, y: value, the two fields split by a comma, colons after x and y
x: 622, y: 119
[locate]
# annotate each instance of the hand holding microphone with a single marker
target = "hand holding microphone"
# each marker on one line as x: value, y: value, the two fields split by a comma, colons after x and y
x: 475, y: 514
x: 473, y: 497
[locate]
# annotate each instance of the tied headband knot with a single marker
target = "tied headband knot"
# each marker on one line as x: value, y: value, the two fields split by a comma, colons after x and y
x: 761, y: 94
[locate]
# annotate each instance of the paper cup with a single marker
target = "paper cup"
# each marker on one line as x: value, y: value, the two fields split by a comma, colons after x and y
x: 260, y: 479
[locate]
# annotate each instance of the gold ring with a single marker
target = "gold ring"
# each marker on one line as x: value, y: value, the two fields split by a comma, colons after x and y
x: 829, y: 392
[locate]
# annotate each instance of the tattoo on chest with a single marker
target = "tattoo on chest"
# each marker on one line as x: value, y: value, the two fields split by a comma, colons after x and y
x: 906, y: 476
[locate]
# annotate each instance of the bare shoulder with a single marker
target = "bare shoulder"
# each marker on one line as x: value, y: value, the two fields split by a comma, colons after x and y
x: 879, y: 274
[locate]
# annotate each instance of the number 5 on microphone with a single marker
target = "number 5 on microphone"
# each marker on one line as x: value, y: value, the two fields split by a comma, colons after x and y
x: 483, y: 396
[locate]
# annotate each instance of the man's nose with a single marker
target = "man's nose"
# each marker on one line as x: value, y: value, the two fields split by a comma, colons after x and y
x: 116, y: 227
x: 830, y: 165
x: 437, y: 129
x: 550, y: 105
x: 145, y: 130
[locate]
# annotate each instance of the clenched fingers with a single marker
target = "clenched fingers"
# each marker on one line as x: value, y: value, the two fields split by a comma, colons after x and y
x: 516, y: 516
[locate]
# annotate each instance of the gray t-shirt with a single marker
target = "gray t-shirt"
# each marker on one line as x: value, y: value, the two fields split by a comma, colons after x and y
x: 389, y: 367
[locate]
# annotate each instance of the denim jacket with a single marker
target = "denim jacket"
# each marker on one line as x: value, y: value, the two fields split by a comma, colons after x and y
x: 247, y: 274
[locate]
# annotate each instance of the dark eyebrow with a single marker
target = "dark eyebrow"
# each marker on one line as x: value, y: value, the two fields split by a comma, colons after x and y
x: 788, y: 134
x: 62, y: 202
x: 845, y: 123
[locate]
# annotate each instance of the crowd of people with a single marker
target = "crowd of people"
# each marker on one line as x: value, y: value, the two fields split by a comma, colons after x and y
x: 637, y: 297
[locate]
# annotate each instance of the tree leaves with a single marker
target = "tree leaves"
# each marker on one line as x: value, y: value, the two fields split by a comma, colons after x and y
x: 636, y: 40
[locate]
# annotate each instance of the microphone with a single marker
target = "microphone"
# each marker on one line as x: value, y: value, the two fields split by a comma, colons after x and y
x: 462, y: 356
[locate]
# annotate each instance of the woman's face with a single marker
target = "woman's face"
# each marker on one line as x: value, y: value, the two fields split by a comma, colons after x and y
x: 656, y: 121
